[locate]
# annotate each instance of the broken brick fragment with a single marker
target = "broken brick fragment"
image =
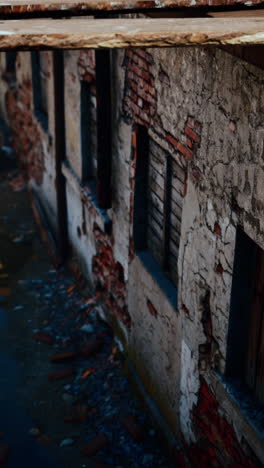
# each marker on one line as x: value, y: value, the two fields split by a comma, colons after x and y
x: 44, y: 337
x: 96, y: 444
x: 4, y: 453
x: 61, y: 374
x: 5, y: 291
x: 87, y: 373
x: 134, y: 429
x: 44, y: 440
x: 152, y: 309
x: 90, y: 348
x: 62, y: 357
x: 79, y: 415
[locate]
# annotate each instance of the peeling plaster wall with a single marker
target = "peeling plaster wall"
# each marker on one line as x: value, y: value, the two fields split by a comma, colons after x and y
x: 224, y: 187
x: 204, y: 107
x: 34, y: 145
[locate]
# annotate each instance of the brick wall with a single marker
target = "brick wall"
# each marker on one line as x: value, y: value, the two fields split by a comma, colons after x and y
x: 109, y: 277
x: 26, y: 131
x: 217, y: 445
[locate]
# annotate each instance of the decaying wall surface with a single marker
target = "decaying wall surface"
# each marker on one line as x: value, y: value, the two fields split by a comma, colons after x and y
x: 28, y: 6
x: 211, y: 112
x: 33, y: 143
x: 204, y: 108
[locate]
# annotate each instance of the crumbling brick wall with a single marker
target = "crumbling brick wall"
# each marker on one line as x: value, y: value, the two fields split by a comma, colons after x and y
x: 26, y: 132
x: 204, y: 107
x: 198, y: 110
x: 33, y: 144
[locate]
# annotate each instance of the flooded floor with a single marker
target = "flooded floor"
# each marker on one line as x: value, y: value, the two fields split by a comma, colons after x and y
x: 64, y: 398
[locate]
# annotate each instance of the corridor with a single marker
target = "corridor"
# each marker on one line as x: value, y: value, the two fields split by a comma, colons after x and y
x: 65, y: 399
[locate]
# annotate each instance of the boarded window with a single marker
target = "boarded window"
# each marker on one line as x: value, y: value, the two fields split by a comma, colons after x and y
x: 39, y: 85
x: 245, y: 357
x: 158, y: 203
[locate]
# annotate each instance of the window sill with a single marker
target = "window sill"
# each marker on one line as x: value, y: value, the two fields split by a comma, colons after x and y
x: 87, y: 191
x: 164, y: 283
x: 9, y: 78
x: 243, y: 409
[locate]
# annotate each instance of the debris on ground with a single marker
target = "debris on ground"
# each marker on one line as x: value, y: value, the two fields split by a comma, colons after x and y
x: 75, y: 387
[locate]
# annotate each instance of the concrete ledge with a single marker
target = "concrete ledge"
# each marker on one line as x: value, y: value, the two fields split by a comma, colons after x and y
x: 87, y: 193
x: 237, y: 413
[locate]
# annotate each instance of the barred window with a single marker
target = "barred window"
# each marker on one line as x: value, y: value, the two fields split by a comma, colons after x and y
x: 39, y: 88
x: 158, y: 203
x: 96, y: 130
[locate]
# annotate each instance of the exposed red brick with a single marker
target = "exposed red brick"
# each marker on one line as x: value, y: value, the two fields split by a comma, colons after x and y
x: 217, y: 229
x: 217, y: 444
x: 196, y: 174
x: 140, y: 92
x: 135, y: 430
x: 185, y: 309
x: 61, y: 374
x: 95, y: 445
x: 109, y: 276
x: 134, y: 140
x: 152, y: 309
x: 26, y: 131
x: 90, y: 348
x: 185, y: 151
x: 196, y: 126
x: 192, y: 134
x: 44, y: 337
x: 172, y: 140
x: 219, y: 269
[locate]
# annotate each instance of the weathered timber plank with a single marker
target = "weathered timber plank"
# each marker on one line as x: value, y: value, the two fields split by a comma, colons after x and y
x: 27, y: 6
x: 237, y: 13
x: 76, y: 33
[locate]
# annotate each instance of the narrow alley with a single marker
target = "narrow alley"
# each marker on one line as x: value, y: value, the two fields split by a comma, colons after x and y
x: 132, y: 234
x: 65, y: 398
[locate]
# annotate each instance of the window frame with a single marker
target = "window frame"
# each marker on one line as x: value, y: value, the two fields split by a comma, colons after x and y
x: 37, y: 89
x: 159, y: 270
x: 243, y: 322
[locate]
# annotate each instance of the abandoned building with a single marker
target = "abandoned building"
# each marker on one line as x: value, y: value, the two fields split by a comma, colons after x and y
x: 145, y: 163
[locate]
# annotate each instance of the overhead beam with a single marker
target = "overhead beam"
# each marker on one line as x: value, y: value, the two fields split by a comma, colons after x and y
x: 15, y: 7
x: 79, y: 33
x: 237, y: 13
